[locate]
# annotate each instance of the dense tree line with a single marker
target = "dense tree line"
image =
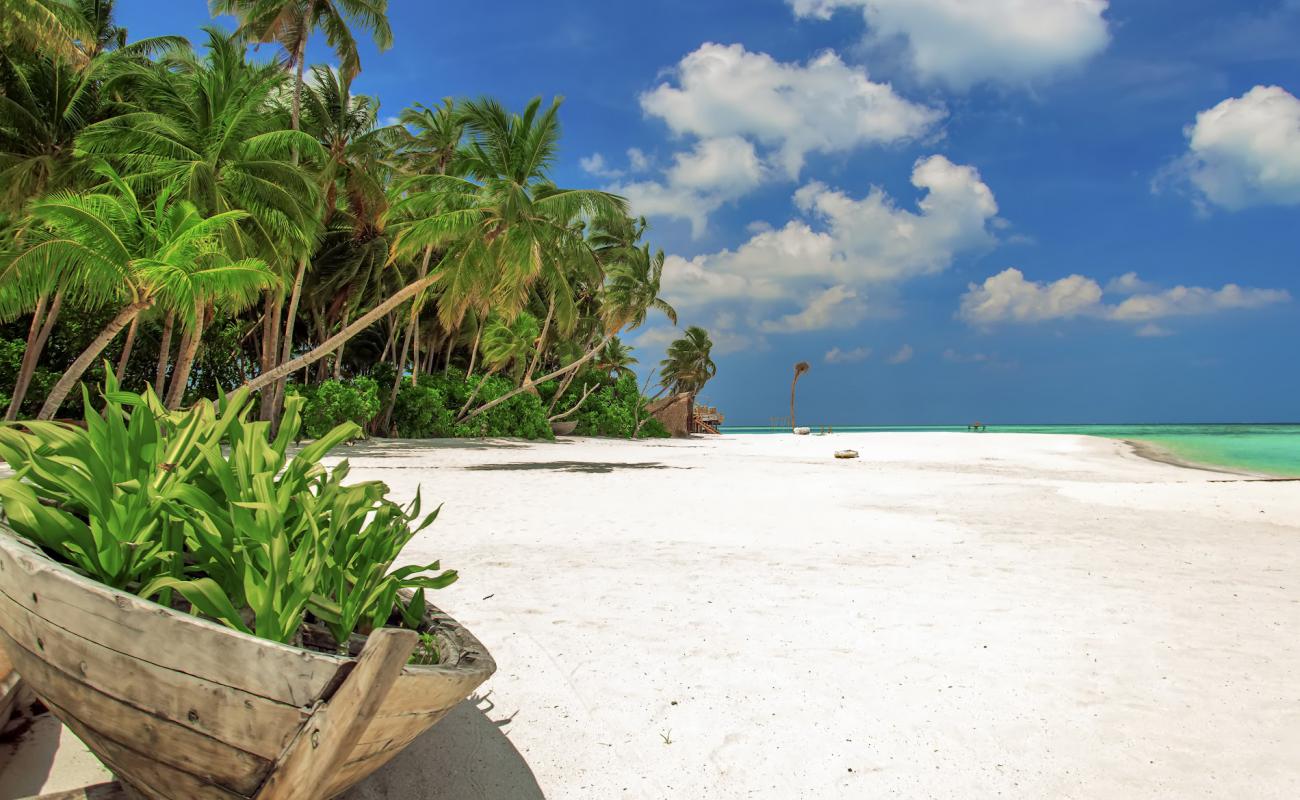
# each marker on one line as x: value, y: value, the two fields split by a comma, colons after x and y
x: 202, y: 219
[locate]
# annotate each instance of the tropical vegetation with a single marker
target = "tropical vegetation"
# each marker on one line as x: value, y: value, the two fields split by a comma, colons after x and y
x: 205, y: 220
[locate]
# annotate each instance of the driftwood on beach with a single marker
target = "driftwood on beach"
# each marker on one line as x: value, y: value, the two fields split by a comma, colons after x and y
x: 179, y: 707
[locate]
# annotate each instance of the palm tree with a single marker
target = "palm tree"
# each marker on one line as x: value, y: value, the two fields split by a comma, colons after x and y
x: 500, y: 229
x: 134, y: 256
x: 292, y: 22
x: 54, y: 27
x: 504, y: 345
x: 616, y: 359
x: 213, y: 127
x: 688, y: 363
x: 799, y: 370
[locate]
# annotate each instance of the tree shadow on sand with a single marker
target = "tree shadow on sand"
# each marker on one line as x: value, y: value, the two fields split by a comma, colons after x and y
x: 587, y: 467
x: 466, y: 756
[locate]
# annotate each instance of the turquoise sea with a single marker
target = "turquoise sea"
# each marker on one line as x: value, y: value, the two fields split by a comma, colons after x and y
x: 1273, y: 448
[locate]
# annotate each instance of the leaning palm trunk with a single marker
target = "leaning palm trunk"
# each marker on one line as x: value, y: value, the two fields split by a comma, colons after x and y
x: 527, y: 385
x: 331, y: 344
x: 126, y: 349
x: 541, y: 342
x: 164, y: 354
x: 286, y: 350
x: 338, y: 356
x: 73, y: 374
x: 185, y: 360
x: 387, y: 417
x: 35, y: 346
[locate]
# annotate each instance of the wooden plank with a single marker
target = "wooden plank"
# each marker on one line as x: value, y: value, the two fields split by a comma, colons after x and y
x: 9, y: 690
x: 353, y: 773
x: 161, y: 636
x: 246, y: 721
x: 146, y: 775
x: 422, y: 689
x: 100, y: 791
x: 335, y: 728
x: 403, y: 728
x: 108, y: 719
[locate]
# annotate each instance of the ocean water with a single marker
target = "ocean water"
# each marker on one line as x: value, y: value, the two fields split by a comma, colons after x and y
x: 1272, y: 449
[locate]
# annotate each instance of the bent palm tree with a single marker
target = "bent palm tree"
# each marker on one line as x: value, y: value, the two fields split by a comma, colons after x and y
x: 688, y: 363
x: 799, y: 370
x: 165, y: 254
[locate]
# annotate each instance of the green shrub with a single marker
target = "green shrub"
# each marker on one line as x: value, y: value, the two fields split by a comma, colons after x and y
x: 421, y: 411
x: 333, y: 403
x: 612, y: 410
x: 207, y: 505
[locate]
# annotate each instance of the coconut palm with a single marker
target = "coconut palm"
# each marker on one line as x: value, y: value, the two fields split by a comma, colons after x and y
x: 616, y: 359
x: 292, y: 22
x: 500, y: 229
x: 53, y: 27
x: 688, y: 363
x: 799, y: 370
x: 133, y: 256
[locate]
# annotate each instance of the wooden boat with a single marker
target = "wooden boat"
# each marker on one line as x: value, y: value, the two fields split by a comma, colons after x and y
x: 11, y: 689
x: 180, y: 708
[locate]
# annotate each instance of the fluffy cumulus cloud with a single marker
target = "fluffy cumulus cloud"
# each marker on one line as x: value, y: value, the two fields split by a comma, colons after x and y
x: 1246, y: 150
x: 836, y: 307
x: 853, y: 355
x: 963, y: 42
x: 792, y: 109
x: 1010, y: 297
x: 700, y: 180
x: 844, y: 242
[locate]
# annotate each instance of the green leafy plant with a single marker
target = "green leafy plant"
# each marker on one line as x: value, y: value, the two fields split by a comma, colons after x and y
x: 211, y: 507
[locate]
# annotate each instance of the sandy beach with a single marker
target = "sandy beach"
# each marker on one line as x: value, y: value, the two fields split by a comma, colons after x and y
x: 951, y: 615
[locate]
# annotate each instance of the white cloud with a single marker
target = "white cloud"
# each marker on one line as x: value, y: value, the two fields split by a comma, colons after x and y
x: 964, y: 42
x: 902, y: 355
x: 837, y: 356
x: 1128, y: 283
x: 637, y: 161
x: 1245, y: 151
x: 1009, y: 297
x: 836, y: 307
x: 823, y: 106
x: 701, y: 180
x: 1194, y: 300
x: 856, y: 241
x: 594, y: 164
x: 1152, y: 330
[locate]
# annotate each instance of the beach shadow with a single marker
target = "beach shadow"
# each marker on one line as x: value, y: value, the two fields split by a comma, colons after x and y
x: 398, y: 447
x: 466, y: 756
x: 27, y: 758
x: 587, y: 467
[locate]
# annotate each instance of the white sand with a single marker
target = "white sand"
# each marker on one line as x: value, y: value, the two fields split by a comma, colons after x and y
x: 952, y: 615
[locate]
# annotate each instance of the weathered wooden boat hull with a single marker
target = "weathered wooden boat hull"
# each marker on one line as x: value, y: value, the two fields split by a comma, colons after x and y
x: 180, y: 708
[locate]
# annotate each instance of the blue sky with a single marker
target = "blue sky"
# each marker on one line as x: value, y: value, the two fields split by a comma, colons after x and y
x: 1011, y: 210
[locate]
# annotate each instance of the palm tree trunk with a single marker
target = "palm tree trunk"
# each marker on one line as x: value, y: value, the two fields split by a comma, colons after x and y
x: 473, y: 352
x: 185, y: 360
x: 338, y: 357
x: 526, y: 385
x: 451, y: 348
x: 392, y: 339
x: 329, y: 345
x: 126, y: 349
x: 415, y: 347
x: 164, y: 354
x: 387, y: 417
x: 473, y: 394
x: 37, y: 335
x: 270, y: 346
x: 541, y: 342
x: 286, y: 350
x: 78, y: 368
